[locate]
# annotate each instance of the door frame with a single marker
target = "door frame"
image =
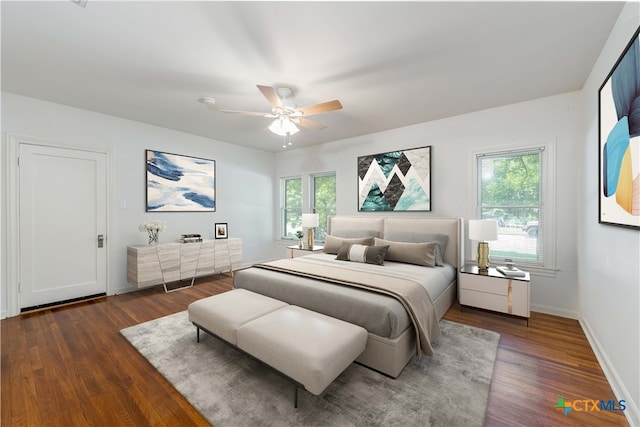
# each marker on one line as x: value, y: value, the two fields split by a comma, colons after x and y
x: 13, y: 213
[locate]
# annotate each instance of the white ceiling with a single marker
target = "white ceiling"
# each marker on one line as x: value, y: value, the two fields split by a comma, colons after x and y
x: 391, y: 64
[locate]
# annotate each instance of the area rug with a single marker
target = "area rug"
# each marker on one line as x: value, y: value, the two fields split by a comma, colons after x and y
x: 450, y: 388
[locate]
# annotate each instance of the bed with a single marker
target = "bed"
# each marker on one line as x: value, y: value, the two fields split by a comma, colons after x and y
x: 393, y: 325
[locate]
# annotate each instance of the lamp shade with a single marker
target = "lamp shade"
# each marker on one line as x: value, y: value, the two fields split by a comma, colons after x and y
x: 483, y: 230
x: 310, y: 220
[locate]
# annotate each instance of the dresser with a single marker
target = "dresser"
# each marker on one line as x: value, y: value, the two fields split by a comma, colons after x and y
x: 149, y: 265
x: 492, y: 290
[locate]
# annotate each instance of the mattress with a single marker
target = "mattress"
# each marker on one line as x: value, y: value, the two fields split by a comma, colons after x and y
x: 379, y: 314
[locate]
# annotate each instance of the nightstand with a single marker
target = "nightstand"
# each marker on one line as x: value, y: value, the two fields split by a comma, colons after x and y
x: 493, y: 290
x: 296, y: 251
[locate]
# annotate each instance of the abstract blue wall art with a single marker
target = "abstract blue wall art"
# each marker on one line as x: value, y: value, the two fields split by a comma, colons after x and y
x: 395, y: 181
x: 178, y: 183
x: 619, y: 140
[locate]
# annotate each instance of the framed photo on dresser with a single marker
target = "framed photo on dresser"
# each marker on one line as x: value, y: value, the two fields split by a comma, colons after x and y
x: 221, y: 230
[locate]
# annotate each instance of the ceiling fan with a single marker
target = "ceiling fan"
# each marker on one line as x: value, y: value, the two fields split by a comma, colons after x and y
x: 285, y: 112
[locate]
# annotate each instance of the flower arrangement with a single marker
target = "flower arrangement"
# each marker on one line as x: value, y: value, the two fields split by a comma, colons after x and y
x: 153, y: 228
x: 299, y: 234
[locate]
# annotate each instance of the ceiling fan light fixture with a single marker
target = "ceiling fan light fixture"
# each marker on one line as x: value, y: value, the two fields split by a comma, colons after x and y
x: 283, y: 126
x: 209, y: 102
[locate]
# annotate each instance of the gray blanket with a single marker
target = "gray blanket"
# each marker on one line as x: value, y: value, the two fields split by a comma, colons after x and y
x: 379, y: 314
x: 411, y: 295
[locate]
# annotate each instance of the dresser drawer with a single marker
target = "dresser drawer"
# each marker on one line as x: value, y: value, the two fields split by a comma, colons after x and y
x: 484, y: 300
x: 485, y: 284
x: 493, y: 291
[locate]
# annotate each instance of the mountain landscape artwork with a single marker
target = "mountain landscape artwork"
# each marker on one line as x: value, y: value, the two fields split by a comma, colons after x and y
x: 395, y: 181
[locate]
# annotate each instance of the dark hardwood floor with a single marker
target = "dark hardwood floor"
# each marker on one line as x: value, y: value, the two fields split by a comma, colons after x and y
x: 69, y: 366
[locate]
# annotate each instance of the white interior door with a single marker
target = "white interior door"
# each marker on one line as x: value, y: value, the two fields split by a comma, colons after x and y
x: 62, y: 196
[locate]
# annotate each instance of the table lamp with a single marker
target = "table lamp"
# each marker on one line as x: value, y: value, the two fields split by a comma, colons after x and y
x: 310, y: 221
x: 483, y: 230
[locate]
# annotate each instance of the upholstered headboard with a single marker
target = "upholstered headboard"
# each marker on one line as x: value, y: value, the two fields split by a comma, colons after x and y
x: 403, y: 229
x: 353, y: 226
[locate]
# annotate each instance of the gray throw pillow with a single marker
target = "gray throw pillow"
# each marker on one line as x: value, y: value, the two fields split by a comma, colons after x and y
x: 361, y: 253
x: 417, y: 237
x: 332, y: 244
x: 410, y: 253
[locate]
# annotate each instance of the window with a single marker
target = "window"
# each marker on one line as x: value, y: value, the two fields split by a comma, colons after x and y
x: 513, y: 189
x: 323, y: 193
x: 291, y: 206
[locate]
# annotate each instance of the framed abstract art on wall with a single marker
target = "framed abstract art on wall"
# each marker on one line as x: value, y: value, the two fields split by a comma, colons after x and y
x: 178, y: 183
x: 395, y: 181
x: 619, y: 140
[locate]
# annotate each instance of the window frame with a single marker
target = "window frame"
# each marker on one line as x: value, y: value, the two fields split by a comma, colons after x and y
x: 283, y: 204
x: 312, y: 197
x: 547, y: 266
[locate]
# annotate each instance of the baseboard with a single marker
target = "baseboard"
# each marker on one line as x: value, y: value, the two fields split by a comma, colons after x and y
x: 62, y: 303
x: 631, y: 413
x: 555, y: 311
x: 124, y: 290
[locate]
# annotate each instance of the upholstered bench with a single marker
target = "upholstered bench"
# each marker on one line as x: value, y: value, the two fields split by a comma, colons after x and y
x: 308, y: 348
x: 221, y: 315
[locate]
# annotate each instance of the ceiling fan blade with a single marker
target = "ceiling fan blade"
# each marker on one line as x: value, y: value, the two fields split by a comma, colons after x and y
x: 306, y: 123
x: 245, y: 113
x: 320, y: 108
x: 271, y: 95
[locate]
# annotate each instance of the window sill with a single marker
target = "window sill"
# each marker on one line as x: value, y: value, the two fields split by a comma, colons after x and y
x: 539, y: 271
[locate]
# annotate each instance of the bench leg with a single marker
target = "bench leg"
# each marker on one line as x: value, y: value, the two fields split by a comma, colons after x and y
x: 295, y: 383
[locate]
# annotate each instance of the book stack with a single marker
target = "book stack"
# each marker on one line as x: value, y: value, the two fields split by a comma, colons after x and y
x: 510, y: 271
x: 190, y: 238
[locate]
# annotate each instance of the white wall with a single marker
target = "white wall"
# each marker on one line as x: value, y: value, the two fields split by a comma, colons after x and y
x: 454, y: 140
x: 245, y: 178
x: 608, y: 256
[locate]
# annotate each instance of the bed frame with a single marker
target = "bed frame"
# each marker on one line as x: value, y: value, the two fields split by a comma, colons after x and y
x: 385, y: 355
